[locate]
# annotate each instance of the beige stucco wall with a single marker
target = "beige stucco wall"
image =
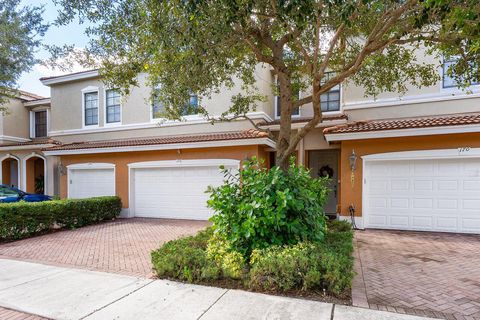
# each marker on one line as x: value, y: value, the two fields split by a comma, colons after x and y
x: 16, y: 122
x: 67, y: 102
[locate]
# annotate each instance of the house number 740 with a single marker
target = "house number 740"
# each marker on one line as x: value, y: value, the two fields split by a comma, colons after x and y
x: 463, y: 149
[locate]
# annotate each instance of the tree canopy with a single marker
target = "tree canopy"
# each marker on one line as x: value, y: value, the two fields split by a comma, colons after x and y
x: 203, y: 46
x: 21, y: 30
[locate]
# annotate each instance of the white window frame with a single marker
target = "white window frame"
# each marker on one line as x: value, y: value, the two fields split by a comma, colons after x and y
x: 275, y: 99
x: 111, y: 124
x: 191, y: 117
x: 340, y: 107
x: 150, y: 103
x: 32, y: 121
x: 90, y: 89
x: 455, y: 89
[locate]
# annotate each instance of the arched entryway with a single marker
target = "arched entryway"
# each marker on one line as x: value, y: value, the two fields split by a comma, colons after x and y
x: 35, y: 174
x: 10, y: 173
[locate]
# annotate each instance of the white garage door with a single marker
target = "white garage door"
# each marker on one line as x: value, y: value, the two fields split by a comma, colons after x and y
x: 85, y: 181
x: 430, y: 195
x: 174, y: 190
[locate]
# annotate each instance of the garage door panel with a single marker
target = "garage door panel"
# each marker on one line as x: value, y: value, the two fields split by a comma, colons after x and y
x: 86, y: 183
x: 174, y: 192
x: 435, y: 195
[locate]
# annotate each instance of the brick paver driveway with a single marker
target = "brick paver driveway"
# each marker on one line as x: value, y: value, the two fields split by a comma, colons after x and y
x: 122, y: 246
x: 430, y: 274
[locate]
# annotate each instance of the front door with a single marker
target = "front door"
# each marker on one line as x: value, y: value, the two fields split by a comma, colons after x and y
x: 324, y: 163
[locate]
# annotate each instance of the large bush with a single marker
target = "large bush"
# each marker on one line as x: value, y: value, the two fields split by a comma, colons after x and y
x: 22, y: 219
x: 257, y: 208
x: 305, y: 266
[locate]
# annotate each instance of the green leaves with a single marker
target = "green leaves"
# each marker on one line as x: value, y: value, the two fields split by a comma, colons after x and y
x: 22, y: 219
x: 21, y: 30
x: 268, y: 207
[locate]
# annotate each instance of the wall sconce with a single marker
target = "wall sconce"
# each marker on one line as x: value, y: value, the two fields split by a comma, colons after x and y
x: 62, y: 170
x: 352, y: 159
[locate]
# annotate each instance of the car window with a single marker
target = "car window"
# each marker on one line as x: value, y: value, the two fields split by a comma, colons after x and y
x: 7, y: 192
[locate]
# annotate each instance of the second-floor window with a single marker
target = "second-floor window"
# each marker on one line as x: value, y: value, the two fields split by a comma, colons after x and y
x: 447, y: 80
x: 192, y: 107
x: 113, y: 112
x: 91, y: 108
x: 40, y: 123
x: 330, y: 101
x: 157, y: 105
x: 278, y: 105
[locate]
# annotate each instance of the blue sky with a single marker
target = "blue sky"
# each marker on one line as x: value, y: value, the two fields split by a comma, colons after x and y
x: 71, y: 34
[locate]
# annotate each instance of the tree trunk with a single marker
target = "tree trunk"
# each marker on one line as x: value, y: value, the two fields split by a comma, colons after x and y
x: 287, y: 141
x: 285, y: 133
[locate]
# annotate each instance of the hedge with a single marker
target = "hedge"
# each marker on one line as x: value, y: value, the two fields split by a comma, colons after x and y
x: 306, y: 266
x: 22, y: 219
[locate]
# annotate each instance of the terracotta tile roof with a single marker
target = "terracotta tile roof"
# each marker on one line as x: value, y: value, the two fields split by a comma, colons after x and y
x: 411, y: 123
x: 235, y: 135
x: 33, y: 96
x: 45, y: 141
x: 306, y: 119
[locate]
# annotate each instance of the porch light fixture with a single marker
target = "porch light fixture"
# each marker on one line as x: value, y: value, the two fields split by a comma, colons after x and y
x: 352, y: 159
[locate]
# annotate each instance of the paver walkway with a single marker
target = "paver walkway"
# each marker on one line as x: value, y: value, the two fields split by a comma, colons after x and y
x: 9, y: 314
x: 122, y: 246
x: 428, y: 274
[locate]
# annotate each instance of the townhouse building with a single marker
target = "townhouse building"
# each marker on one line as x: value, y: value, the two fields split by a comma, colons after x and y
x: 409, y: 162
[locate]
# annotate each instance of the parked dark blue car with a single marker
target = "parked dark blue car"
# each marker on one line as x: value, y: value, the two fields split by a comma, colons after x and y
x: 11, y: 194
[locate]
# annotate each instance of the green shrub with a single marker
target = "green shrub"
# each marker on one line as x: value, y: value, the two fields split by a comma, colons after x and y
x: 186, y: 259
x: 339, y: 225
x: 22, y: 219
x: 268, y: 207
x: 232, y: 263
x: 305, y: 266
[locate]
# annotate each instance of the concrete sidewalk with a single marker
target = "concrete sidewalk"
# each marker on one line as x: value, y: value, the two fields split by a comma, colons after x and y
x: 62, y: 293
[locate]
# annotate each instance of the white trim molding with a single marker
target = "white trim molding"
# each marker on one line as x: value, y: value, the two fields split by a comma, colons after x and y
x: 155, y: 123
x: 70, y: 77
x: 173, y: 146
x: 14, y: 139
x: 105, y: 112
x: 19, y: 176
x: 299, y: 125
x: 471, y: 128
x: 91, y: 165
x: 27, y: 147
x: 87, y: 90
x: 39, y: 102
x: 24, y: 170
x: 460, y: 152
x: 443, y: 95
x: 185, y: 163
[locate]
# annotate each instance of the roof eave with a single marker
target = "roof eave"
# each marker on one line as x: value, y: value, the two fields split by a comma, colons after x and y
x: 411, y: 132
x: 70, y: 77
x: 172, y: 146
